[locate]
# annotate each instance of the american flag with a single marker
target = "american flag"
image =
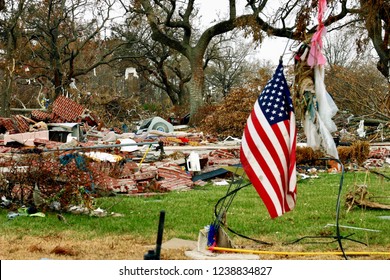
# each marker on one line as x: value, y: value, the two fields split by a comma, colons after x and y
x: 268, y: 146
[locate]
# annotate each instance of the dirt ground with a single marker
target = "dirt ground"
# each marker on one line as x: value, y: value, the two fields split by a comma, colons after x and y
x: 64, y: 246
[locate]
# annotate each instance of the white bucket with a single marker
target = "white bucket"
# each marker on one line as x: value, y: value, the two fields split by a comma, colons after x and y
x: 193, y: 163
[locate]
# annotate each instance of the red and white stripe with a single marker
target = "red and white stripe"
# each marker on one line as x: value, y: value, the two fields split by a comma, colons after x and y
x: 268, y: 158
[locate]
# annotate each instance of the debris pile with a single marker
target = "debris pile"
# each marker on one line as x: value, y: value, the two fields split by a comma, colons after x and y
x: 66, y: 157
x: 378, y: 157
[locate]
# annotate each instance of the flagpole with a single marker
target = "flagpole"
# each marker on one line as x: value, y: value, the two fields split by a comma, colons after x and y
x: 285, y: 48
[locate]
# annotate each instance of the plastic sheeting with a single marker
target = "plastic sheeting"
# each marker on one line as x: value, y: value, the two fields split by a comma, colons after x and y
x: 327, y: 109
x: 318, y: 123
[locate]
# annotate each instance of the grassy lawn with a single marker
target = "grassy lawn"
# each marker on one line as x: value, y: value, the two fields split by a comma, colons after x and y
x: 188, y: 212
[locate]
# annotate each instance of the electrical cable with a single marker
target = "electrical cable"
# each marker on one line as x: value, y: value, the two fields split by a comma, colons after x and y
x: 218, y: 211
x: 338, y: 236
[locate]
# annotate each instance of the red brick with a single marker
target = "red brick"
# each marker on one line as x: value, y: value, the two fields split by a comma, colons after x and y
x: 20, y: 124
x: 67, y: 109
x: 222, y: 154
x: 144, y: 175
x: 8, y: 125
x: 40, y: 115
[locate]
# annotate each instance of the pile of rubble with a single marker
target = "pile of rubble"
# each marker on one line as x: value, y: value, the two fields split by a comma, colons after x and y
x: 67, y: 155
x: 379, y: 156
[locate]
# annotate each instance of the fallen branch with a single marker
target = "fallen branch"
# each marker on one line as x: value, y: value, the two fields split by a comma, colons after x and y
x: 358, y: 198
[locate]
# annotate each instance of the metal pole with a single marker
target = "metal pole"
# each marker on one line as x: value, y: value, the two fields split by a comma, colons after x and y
x: 100, y: 146
x: 155, y: 254
x: 160, y: 234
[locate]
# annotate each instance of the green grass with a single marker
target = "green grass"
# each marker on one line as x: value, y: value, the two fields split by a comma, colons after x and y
x: 188, y: 212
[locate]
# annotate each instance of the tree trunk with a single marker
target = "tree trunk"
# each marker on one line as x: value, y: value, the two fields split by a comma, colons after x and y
x: 9, y: 73
x: 196, y: 88
x: 376, y: 22
x: 58, y: 86
x: 184, y: 97
x: 5, y: 101
x: 173, y: 96
x: 56, y: 65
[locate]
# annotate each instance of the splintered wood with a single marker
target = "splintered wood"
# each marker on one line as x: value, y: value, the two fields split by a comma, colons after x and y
x: 360, y: 197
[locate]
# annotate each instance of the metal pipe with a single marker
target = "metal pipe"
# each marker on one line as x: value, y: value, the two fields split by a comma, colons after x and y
x: 350, y: 227
x: 100, y: 146
x: 160, y: 234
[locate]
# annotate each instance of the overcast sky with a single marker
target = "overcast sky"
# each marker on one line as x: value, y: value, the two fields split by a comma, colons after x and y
x: 271, y: 49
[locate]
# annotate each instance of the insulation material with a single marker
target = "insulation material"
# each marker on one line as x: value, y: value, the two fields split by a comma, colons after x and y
x: 100, y: 156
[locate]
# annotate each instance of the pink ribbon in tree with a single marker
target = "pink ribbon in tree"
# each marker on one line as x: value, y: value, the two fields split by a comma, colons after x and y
x: 316, y: 57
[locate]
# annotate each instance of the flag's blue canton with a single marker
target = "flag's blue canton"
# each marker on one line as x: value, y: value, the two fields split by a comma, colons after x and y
x: 275, y: 99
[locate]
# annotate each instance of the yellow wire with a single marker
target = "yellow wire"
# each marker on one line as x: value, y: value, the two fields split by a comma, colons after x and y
x: 143, y: 158
x: 293, y: 253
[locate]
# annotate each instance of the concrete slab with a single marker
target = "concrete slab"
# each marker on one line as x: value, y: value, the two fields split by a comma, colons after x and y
x: 197, y: 255
x: 26, y: 138
x: 177, y: 243
x: 202, y: 253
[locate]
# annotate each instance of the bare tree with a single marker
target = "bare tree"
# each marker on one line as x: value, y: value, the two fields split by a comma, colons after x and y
x: 228, y: 64
x: 171, y: 25
x: 161, y: 66
x: 65, y: 40
x: 167, y: 71
x: 340, y: 49
x: 10, y: 27
x: 360, y: 90
x: 376, y: 17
